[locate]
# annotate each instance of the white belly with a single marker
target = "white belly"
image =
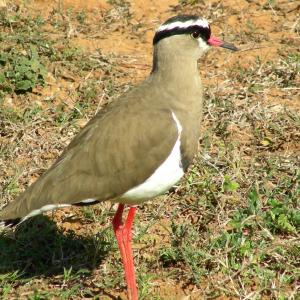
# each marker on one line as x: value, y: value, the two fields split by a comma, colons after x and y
x: 167, y: 174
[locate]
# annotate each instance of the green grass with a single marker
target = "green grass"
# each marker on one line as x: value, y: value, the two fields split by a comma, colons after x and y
x: 229, y: 229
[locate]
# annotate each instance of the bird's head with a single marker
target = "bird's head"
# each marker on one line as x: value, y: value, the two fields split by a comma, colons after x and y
x: 187, y: 35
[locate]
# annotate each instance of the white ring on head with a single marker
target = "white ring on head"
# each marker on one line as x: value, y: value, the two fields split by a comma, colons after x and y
x: 179, y: 24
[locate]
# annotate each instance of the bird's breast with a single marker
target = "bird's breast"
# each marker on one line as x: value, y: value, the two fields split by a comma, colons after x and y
x: 163, y: 178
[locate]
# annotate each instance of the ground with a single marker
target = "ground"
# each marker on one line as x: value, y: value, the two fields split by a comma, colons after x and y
x: 230, y: 229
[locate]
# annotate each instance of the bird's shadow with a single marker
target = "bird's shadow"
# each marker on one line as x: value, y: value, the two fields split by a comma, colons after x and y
x: 39, y: 247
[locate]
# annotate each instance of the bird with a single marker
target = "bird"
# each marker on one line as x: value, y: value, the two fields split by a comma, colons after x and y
x: 138, y: 146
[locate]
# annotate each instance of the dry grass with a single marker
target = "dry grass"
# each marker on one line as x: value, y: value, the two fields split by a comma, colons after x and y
x: 230, y: 229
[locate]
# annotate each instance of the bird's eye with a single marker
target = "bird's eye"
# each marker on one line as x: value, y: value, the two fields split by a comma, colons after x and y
x: 195, y: 34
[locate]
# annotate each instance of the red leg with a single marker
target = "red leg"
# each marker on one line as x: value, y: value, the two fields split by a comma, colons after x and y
x: 124, y: 235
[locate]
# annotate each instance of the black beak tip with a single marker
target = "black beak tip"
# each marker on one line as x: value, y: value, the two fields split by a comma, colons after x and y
x: 229, y: 46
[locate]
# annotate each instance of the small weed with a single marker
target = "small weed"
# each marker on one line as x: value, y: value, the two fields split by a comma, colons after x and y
x: 229, y: 185
x: 67, y: 274
x: 144, y: 283
x: 21, y: 73
x: 81, y: 17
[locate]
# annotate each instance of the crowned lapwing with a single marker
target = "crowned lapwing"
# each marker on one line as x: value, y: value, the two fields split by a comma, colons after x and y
x: 137, y: 147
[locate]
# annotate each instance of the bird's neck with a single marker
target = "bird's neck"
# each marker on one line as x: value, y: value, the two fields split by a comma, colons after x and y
x: 176, y: 79
x: 174, y: 68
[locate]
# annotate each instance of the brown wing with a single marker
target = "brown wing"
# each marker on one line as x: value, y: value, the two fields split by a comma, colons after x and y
x: 118, y: 149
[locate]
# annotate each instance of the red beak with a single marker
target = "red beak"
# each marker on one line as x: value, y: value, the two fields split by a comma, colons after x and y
x: 218, y: 43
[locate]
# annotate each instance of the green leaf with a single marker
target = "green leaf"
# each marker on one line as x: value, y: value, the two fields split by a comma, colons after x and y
x: 2, y: 78
x: 24, y: 85
x: 3, y: 59
x: 296, y: 218
x: 229, y: 185
x: 245, y: 248
x: 253, y: 201
x: 33, y: 53
x: 274, y: 203
x: 285, y: 225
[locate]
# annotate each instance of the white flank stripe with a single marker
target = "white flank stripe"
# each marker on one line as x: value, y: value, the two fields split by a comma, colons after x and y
x: 90, y: 200
x: 179, y: 127
x: 43, y: 209
x: 166, y: 175
x: 178, y: 24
